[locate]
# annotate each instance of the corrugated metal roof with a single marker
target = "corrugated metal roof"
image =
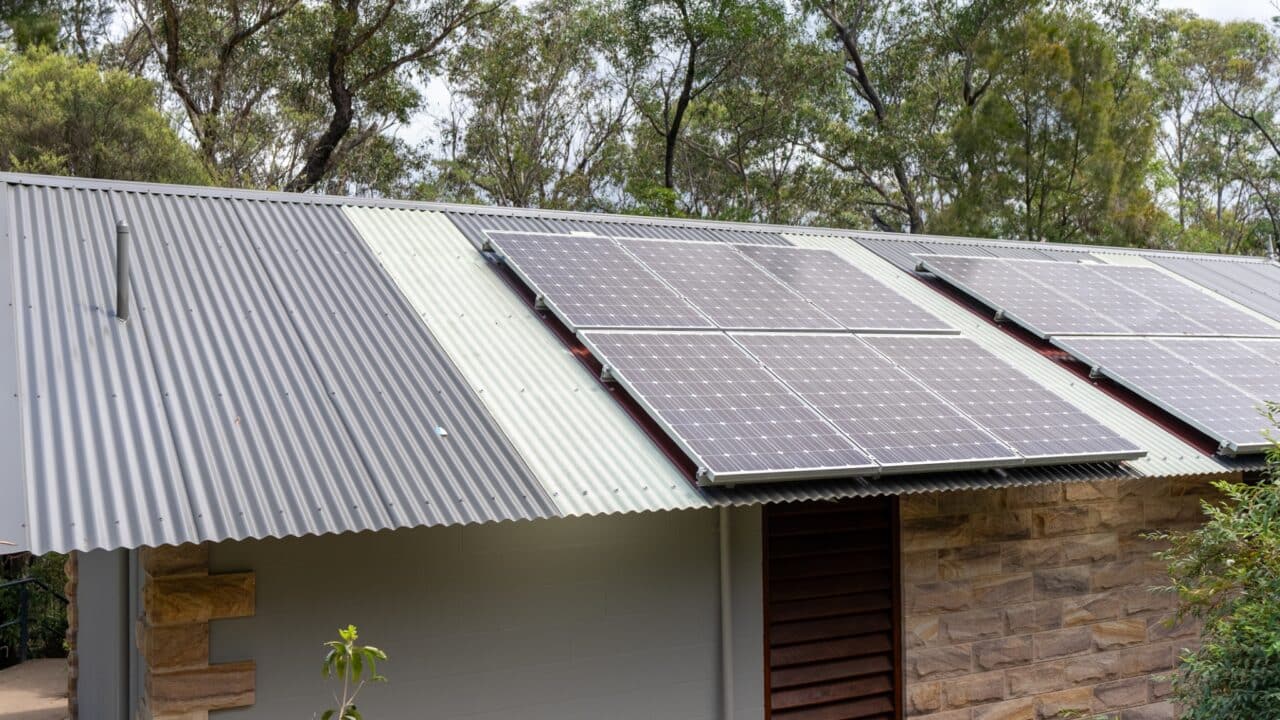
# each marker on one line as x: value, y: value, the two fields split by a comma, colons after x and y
x: 271, y: 381
x: 292, y: 356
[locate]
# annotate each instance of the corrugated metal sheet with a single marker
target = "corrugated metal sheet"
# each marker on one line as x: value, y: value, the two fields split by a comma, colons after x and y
x: 1167, y: 455
x: 473, y: 224
x: 270, y: 382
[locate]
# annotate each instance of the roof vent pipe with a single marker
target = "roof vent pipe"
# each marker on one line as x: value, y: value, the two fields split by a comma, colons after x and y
x: 122, y: 270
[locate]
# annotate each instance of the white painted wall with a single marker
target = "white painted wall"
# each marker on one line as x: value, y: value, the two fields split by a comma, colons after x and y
x: 602, y: 617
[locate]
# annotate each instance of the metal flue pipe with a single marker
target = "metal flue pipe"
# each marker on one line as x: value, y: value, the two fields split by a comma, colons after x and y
x: 122, y: 270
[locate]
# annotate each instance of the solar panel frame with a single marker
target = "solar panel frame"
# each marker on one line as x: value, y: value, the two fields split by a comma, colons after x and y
x: 567, y: 302
x: 1036, y: 316
x: 1105, y: 363
x: 858, y: 464
x: 845, y: 379
x: 845, y: 293
x: 731, y: 290
x: 957, y: 373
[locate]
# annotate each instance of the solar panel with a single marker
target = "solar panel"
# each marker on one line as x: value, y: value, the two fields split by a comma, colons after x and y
x: 734, y: 418
x: 727, y: 287
x: 591, y: 282
x: 1207, y: 310
x: 1023, y: 414
x: 1234, y: 362
x: 1184, y: 389
x: 1254, y: 285
x: 1090, y: 285
x: 899, y: 421
x: 1017, y: 296
x: 851, y: 297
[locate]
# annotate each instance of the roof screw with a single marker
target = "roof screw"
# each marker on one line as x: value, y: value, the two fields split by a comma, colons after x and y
x: 122, y: 270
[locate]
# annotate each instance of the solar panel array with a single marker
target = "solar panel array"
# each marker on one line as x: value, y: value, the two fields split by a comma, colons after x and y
x: 746, y: 357
x: 1190, y: 352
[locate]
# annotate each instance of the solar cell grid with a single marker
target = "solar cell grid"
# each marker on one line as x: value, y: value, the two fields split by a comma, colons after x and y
x: 1184, y: 389
x: 730, y: 414
x: 1017, y: 410
x: 1254, y: 285
x: 896, y: 419
x: 851, y: 297
x: 1206, y: 310
x: 1089, y: 285
x: 727, y: 287
x: 1024, y: 300
x: 591, y: 282
x: 1233, y: 362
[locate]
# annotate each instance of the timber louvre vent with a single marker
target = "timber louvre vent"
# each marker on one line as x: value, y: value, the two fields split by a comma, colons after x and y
x: 832, y: 611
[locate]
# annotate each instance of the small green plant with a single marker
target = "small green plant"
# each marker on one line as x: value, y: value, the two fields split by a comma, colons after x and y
x: 356, y: 666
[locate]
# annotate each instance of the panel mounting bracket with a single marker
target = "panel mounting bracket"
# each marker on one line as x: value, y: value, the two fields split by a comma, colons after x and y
x: 606, y: 374
x: 998, y: 317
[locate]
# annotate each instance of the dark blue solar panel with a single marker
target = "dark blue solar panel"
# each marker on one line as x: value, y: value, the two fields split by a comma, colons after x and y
x: 851, y: 297
x: 727, y: 287
x: 899, y: 421
x: 591, y: 282
x: 1023, y: 300
x: 1020, y: 412
x: 734, y: 418
x: 1165, y: 373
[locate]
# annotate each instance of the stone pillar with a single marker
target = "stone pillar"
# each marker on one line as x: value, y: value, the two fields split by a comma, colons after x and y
x: 179, y: 598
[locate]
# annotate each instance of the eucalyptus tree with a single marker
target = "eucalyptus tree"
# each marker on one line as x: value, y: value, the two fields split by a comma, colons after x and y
x: 542, y: 108
x: 280, y: 93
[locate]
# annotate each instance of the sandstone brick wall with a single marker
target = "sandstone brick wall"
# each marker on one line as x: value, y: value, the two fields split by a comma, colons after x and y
x: 1035, y: 603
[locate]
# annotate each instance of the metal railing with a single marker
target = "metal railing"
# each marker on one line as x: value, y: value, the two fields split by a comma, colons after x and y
x: 23, y: 621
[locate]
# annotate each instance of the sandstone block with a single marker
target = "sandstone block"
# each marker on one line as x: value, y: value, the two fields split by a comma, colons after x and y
x: 1062, y: 643
x: 969, y: 562
x: 1091, y: 548
x: 1034, y: 617
x: 1020, y: 709
x: 1155, y: 711
x: 1090, y: 669
x: 973, y: 690
x: 1026, y: 680
x: 1002, y: 653
x: 1072, y: 703
x: 1063, y: 581
x: 1033, y: 495
x: 1004, y: 590
x: 186, y: 559
x: 935, y: 597
x: 920, y: 566
x: 198, y: 598
x: 939, y: 663
x: 1002, y: 526
x: 1028, y: 555
x: 1118, y: 574
x: 215, y: 687
x: 1146, y: 659
x: 1115, y: 634
x: 1121, y: 693
x: 918, y: 505
x: 1095, y: 490
x: 1091, y: 608
x: 936, y: 532
x: 922, y: 631
x: 923, y: 698
x: 974, y: 625
x: 1062, y: 520
x: 966, y: 502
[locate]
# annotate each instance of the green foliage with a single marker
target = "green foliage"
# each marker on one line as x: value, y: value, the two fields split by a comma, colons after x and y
x: 1227, y: 574
x: 65, y: 117
x: 354, y: 666
x: 48, y: 616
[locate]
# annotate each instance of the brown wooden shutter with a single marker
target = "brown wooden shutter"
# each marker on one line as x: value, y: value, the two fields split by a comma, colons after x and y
x: 832, y: 611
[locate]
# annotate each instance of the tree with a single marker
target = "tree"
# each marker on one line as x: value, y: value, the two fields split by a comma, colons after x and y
x: 65, y: 117
x: 281, y: 93
x: 1215, y: 92
x: 1227, y: 575
x: 542, y: 103
x: 688, y: 47
x: 75, y: 25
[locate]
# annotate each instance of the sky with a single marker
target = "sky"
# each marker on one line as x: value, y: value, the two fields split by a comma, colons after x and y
x: 423, y: 126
